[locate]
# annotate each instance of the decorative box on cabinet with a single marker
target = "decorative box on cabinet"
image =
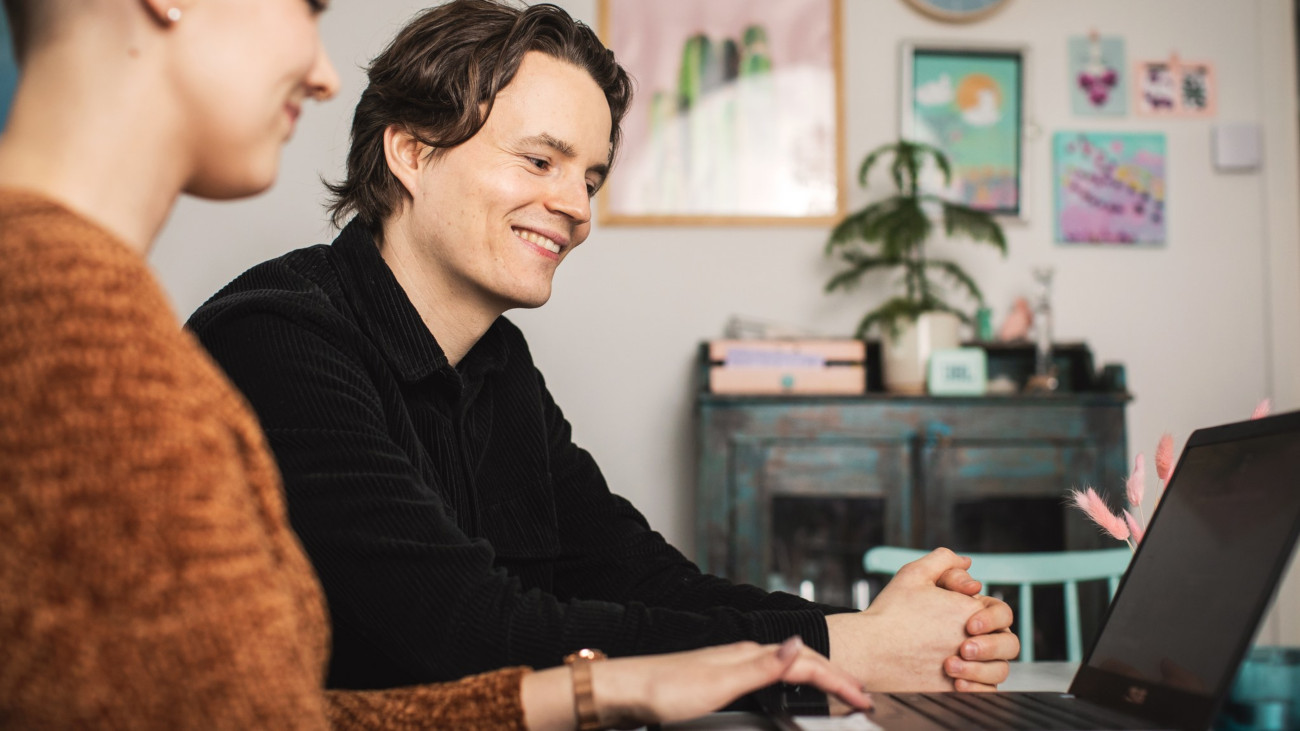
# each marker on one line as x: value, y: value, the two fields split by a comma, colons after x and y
x: 792, y: 490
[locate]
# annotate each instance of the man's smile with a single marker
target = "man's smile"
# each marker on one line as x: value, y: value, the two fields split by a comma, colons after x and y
x: 535, y: 238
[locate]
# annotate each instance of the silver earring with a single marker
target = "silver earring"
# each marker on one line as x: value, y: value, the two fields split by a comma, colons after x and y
x: 173, y: 15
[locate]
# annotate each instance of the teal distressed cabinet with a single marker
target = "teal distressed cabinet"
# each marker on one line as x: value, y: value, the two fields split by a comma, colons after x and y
x: 792, y: 490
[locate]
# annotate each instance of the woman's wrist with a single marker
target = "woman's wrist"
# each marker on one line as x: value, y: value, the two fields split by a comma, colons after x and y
x: 547, y: 698
x: 622, y: 695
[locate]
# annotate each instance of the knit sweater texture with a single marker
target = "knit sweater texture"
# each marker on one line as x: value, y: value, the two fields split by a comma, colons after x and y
x: 148, y: 575
x: 455, y: 525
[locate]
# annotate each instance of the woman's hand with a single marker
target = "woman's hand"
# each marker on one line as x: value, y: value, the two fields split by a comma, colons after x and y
x: 635, y: 691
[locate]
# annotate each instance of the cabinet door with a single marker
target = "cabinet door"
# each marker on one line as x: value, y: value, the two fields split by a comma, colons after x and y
x: 996, y: 496
x: 807, y: 509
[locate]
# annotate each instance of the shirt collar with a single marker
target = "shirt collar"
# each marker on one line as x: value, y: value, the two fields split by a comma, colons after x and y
x: 388, y: 316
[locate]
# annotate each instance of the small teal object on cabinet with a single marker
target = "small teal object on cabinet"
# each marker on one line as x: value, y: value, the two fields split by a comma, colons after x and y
x: 958, y: 372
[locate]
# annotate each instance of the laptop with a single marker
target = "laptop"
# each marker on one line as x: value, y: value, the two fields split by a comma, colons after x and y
x: 1184, y: 615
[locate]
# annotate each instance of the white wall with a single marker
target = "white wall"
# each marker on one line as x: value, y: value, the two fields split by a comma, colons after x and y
x: 1206, y: 325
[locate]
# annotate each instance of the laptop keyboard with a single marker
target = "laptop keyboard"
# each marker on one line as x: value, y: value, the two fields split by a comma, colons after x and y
x: 1013, y: 711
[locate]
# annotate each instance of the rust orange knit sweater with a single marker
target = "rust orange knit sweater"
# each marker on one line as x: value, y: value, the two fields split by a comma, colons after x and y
x: 148, y: 576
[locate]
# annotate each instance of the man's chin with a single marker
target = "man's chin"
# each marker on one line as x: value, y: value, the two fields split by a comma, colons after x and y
x: 529, y: 302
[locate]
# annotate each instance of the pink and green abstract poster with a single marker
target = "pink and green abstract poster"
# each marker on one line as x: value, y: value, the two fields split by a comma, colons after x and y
x: 1110, y: 188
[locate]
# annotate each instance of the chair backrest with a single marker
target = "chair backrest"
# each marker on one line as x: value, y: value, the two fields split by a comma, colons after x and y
x: 1026, y: 570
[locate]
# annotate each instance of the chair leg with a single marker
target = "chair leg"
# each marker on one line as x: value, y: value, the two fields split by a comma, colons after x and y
x: 1073, y: 630
x: 1026, y: 623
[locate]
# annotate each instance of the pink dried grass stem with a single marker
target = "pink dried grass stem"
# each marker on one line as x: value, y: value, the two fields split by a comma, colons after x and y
x: 1165, y: 457
x: 1263, y: 409
x: 1095, y: 508
x: 1136, y: 483
x: 1134, y: 528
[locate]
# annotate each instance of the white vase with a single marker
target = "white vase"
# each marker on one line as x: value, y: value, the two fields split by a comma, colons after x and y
x: 907, y: 357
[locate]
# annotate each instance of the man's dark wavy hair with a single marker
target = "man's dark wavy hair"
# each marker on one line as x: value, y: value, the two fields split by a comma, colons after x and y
x: 438, y: 79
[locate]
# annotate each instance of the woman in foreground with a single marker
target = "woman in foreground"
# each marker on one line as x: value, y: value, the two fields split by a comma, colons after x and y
x: 148, y: 576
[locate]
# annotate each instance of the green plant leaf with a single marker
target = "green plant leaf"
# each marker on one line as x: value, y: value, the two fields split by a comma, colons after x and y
x: 958, y: 275
x: 940, y: 159
x: 901, y: 230
x: 861, y: 225
x: 859, y: 265
x: 865, y: 170
x: 972, y: 223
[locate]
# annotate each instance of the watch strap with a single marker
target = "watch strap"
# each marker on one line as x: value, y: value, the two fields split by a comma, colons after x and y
x: 584, y: 699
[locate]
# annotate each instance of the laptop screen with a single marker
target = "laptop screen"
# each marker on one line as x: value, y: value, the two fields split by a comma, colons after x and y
x: 1194, y: 594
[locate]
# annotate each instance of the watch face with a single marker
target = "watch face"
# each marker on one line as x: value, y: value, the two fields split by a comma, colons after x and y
x: 957, y: 11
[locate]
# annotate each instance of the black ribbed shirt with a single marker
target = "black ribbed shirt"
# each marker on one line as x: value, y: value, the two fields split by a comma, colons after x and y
x: 454, y: 524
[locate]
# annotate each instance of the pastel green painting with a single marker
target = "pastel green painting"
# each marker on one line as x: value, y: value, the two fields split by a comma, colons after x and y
x: 968, y: 105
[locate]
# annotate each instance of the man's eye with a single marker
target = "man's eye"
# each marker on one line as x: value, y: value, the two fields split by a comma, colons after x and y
x: 539, y: 163
x: 591, y: 190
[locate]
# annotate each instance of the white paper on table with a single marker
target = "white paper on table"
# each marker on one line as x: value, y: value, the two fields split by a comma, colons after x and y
x: 851, y: 722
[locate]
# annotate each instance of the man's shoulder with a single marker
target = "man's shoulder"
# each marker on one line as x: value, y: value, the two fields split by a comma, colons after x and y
x: 302, y: 284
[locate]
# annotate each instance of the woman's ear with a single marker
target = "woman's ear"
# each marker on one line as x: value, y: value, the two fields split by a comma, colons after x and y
x: 405, y: 156
x: 167, y: 12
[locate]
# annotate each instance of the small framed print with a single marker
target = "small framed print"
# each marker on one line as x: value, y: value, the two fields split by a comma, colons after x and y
x: 1173, y: 87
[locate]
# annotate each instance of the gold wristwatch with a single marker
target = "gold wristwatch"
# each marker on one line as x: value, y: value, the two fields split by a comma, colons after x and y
x: 584, y: 701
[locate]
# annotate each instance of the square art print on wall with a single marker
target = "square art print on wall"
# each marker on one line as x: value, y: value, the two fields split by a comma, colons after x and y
x: 1110, y: 188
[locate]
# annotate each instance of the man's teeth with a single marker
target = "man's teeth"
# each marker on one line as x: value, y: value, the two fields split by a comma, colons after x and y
x: 538, y: 239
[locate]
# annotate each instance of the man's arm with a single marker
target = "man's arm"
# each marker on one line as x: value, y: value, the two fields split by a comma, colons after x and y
x: 611, y: 554
x: 410, y: 593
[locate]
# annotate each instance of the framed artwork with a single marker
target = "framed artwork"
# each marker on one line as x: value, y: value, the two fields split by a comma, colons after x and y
x: 1110, y: 188
x: 1174, y: 87
x: 737, y: 113
x: 1098, y: 76
x: 8, y: 70
x: 970, y: 103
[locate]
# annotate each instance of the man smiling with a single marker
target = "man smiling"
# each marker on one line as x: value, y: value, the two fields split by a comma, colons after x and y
x: 433, y: 481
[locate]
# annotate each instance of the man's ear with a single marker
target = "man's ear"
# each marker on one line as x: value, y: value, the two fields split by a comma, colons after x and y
x: 167, y: 12
x: 405, y: 156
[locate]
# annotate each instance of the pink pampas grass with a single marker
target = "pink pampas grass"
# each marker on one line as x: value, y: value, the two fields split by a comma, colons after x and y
x: 1126, y: 527
x: 1094, y: 507
x: 1134, y: 486
x: 1134, y: 527
x: 1165, y: 458
x: 1263, y: 409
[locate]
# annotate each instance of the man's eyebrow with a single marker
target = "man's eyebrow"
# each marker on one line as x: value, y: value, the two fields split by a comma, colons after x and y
x: 547, y: 139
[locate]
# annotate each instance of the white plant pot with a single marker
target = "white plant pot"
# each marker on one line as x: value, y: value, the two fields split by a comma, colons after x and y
x: 907, y: 358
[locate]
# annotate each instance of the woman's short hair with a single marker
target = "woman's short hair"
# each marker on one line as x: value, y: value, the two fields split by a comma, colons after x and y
x: 438, y: 79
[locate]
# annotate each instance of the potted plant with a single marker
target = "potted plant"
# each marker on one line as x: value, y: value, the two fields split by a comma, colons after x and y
x: 892, y: 234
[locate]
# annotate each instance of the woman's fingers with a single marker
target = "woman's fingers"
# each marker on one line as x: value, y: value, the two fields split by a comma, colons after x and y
x: 808, y: 667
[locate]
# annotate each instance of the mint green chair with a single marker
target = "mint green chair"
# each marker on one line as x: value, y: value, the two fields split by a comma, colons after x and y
x: 1027, y: 570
